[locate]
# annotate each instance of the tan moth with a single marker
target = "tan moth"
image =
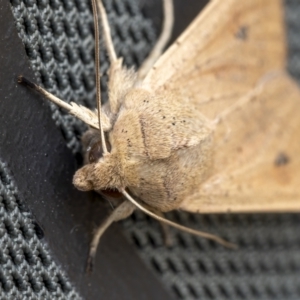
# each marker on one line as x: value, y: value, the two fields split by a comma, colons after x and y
x: 212, y: 126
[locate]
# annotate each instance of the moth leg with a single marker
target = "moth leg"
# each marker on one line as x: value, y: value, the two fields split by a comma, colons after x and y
x: 167, y: 235
x: 162, y: 41
x: 165, y: 228
x: 122, y: 211
x: 86, y: 115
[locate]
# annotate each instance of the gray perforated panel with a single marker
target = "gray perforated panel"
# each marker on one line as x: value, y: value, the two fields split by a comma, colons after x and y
x: 27, y: 270
x: 58, y: 39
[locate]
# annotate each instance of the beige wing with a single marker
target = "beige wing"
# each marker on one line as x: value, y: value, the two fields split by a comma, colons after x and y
x: 257, y: 154
x: 223, y: 53
x: 227, y: 64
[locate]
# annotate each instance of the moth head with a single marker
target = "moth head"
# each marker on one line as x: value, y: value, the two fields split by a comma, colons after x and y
x: 101, y: 171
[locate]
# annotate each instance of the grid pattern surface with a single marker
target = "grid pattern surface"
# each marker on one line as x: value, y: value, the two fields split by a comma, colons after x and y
x: 58, y: 39
x: 27, y: 270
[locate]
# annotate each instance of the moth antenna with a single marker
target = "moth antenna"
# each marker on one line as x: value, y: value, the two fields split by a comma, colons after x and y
x: 107, y: 34
x: 180, y: 227
x: 168, y: 11
x: 97, y: 70
x: 79, y: 111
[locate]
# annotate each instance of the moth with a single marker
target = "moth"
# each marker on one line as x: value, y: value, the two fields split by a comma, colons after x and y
x: 212, y: 126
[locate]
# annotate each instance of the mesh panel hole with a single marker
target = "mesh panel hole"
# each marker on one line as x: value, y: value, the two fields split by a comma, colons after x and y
x: 67, y: 5
x: 202, y: 267
x: 298, y: 290
x: 284, y: 291
x: 224, y: 292
x: 192, y: 291
x: 41, y: 4
x: 65, y: 286
x: 5, y: 283
x: 15, y: 256
x: 45, y: 79
x: 71, y: 56
x: 254, y: 291
x: 208, y: 292
x: 172, y: 267
x: 270, y: 292
x: 7, y: 202
x: 68, y: 29
x: 41, y: 26
x: 248, y: 268
x: 45, y: 260
x: 2, y: 258
x: 187, y: 267
x: 177, y: 291
x: 85, y: 57
x: 44, y: 54
x: 18, y: 281
x: 30, y: 52
x: 35, y: 285
x: 117, y: 7
x: 10, y: 228
x: 176, y: 217
x: 239, y: 292
x: 213, y: 245
x: 38, y: 230
x: 131, y: 8
x: 136, y: 241
x: 271, y: 243
x: 156, y: 265
x: 293, y: 266
x: 25, y: 231
x: 218, y: 268
x: 121, y: 32
x: 263, y: 267
x: 192, y: 219
x: 233, y: 267
x: 80, y: 5
x: 152, y: 240
x: 48, y: 283
x: 87, y: 83
x: 147, y: 36
x: 57, y: 54
x: 73, y: 81
x: 29, y: 28
x: 28, y: 255
x: 54, y: 4
x: 60, y: 82
x: 207, y: 221
x: 81, y: 30
x: 198, y: 243
x: 181, y: 241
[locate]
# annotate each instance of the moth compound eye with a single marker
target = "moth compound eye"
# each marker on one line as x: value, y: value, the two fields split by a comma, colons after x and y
x: 112, y: 193
x: 96, y: 152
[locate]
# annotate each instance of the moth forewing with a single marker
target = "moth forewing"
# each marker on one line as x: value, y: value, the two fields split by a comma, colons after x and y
x: 225, y: 64
x: 223, y: 54
x: 257, y: 169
